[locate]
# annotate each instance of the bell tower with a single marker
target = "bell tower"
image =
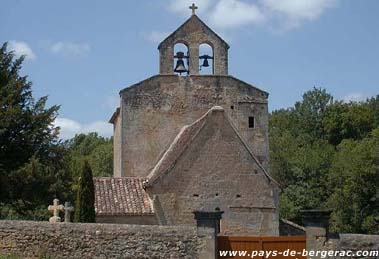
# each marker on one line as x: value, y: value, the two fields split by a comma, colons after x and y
x: 192, y: 34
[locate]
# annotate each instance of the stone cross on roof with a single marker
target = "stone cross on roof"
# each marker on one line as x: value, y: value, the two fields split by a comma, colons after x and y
x: 55, y: 208
x: 193, y: 7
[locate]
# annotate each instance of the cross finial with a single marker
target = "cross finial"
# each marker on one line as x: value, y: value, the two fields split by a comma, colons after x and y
x: 193, y: 7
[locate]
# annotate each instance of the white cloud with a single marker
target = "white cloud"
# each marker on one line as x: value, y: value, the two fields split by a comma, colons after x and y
x: 234, y: 13
x: 294, y: 12
x: 156, y: 36
x: 68, y: 128
x: 355, y: 97
x: 21, y: 48
x: 69, y: 48
x: 285, y: 14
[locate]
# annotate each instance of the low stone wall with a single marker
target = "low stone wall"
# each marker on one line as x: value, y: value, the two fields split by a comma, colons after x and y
x: 356, y: 242
x: 75, y: 240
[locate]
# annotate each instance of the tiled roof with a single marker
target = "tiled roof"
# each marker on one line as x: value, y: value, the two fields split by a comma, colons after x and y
x: 121, y: 196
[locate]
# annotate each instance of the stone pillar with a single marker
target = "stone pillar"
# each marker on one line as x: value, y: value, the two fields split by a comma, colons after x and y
x: 317, y: 228
x: 206, y: 221
x: 166, y: 60
x: 193, y: 59
x: 209, y: 219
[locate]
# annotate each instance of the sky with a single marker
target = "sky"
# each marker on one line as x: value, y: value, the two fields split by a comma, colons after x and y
x: 82, y: 53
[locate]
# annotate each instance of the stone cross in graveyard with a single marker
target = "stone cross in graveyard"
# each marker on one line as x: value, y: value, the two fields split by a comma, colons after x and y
x: 67, y: 211
x: 55, y: 208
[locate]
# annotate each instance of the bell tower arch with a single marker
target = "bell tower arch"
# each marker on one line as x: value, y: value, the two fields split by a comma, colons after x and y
x: 194, y: 32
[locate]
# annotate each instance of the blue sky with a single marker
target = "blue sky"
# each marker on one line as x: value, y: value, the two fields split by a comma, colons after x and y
x: 82, y: 53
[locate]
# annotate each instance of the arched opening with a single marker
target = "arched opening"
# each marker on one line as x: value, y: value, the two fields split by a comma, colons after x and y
x: 206, y: 61
x: 181, y: 59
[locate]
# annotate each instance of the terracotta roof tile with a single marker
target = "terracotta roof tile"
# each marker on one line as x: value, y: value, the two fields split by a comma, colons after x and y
x: 121, y: 196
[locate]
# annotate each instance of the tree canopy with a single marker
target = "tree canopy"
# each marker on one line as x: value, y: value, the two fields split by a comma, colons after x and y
x: 325, y: 154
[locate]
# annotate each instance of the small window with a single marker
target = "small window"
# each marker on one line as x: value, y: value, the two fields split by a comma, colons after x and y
x: 238, y: 195
x: 196, y: 195
x: 232, y: 107
x: 251, y: 122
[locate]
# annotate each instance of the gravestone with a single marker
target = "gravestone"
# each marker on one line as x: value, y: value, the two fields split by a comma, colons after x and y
x: 55, y: 208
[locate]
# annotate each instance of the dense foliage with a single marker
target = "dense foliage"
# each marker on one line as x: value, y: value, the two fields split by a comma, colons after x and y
x: 35, y: 167
x: 85, y: 199
x: 325, y: 154
x: 30, y: 157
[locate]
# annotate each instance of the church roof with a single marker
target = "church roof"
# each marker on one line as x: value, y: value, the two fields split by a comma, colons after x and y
x: 159, y: 78
x: 186, y: 135
x: 121, y: 197
x: 194, y: 19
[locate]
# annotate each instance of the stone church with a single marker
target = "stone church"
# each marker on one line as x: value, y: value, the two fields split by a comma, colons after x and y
x: 186, y: 141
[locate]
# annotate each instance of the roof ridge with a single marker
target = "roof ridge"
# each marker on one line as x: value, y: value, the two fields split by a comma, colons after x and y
x: 159, y: 168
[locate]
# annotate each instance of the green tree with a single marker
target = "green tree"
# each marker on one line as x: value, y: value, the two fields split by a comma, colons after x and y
x: 353, y: 186
x: 30, y: 156
x: 85, y: 200
x: 92, y: 147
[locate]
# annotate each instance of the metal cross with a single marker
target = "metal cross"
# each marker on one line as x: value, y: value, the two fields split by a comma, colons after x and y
x: 193, y: 7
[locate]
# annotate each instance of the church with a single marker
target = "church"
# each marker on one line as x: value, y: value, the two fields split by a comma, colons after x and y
x: 191, y: 138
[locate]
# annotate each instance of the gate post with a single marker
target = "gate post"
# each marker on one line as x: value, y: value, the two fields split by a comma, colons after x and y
x: 205, y: 221
x: 317, y: 228
x: 209, y: 219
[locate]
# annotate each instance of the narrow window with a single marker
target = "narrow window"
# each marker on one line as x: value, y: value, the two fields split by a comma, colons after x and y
x: 251, y: 122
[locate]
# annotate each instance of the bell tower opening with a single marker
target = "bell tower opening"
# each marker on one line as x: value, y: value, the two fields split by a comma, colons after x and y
x: 181, y: 59
x: 206, y: 59
x: 193, y: 49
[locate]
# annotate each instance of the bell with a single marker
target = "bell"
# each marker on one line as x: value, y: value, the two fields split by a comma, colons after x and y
x: 205, y: 63
x: 180, y: 68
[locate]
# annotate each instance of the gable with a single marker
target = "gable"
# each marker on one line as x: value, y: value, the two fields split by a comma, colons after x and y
x: 210, y: 147
x: 192, y: 25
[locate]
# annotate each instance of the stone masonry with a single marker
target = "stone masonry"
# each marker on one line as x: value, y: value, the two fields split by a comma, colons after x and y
x: 68, y: 240
x: 153, y: 112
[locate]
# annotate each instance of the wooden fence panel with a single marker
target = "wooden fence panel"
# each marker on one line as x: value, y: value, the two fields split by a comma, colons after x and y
x: 281, y: 244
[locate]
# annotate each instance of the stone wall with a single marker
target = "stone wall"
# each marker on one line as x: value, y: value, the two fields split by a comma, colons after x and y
x: 319, y: 239
x: 154, y: 111
x: 193, y: 33
x: 217, y: 172
x: 68, y: 240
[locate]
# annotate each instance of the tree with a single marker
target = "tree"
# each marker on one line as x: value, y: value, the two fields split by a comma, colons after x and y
x: 353, y: 184
x: 28, y: 140
x: 92, y: 147
x: 85, y: 201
